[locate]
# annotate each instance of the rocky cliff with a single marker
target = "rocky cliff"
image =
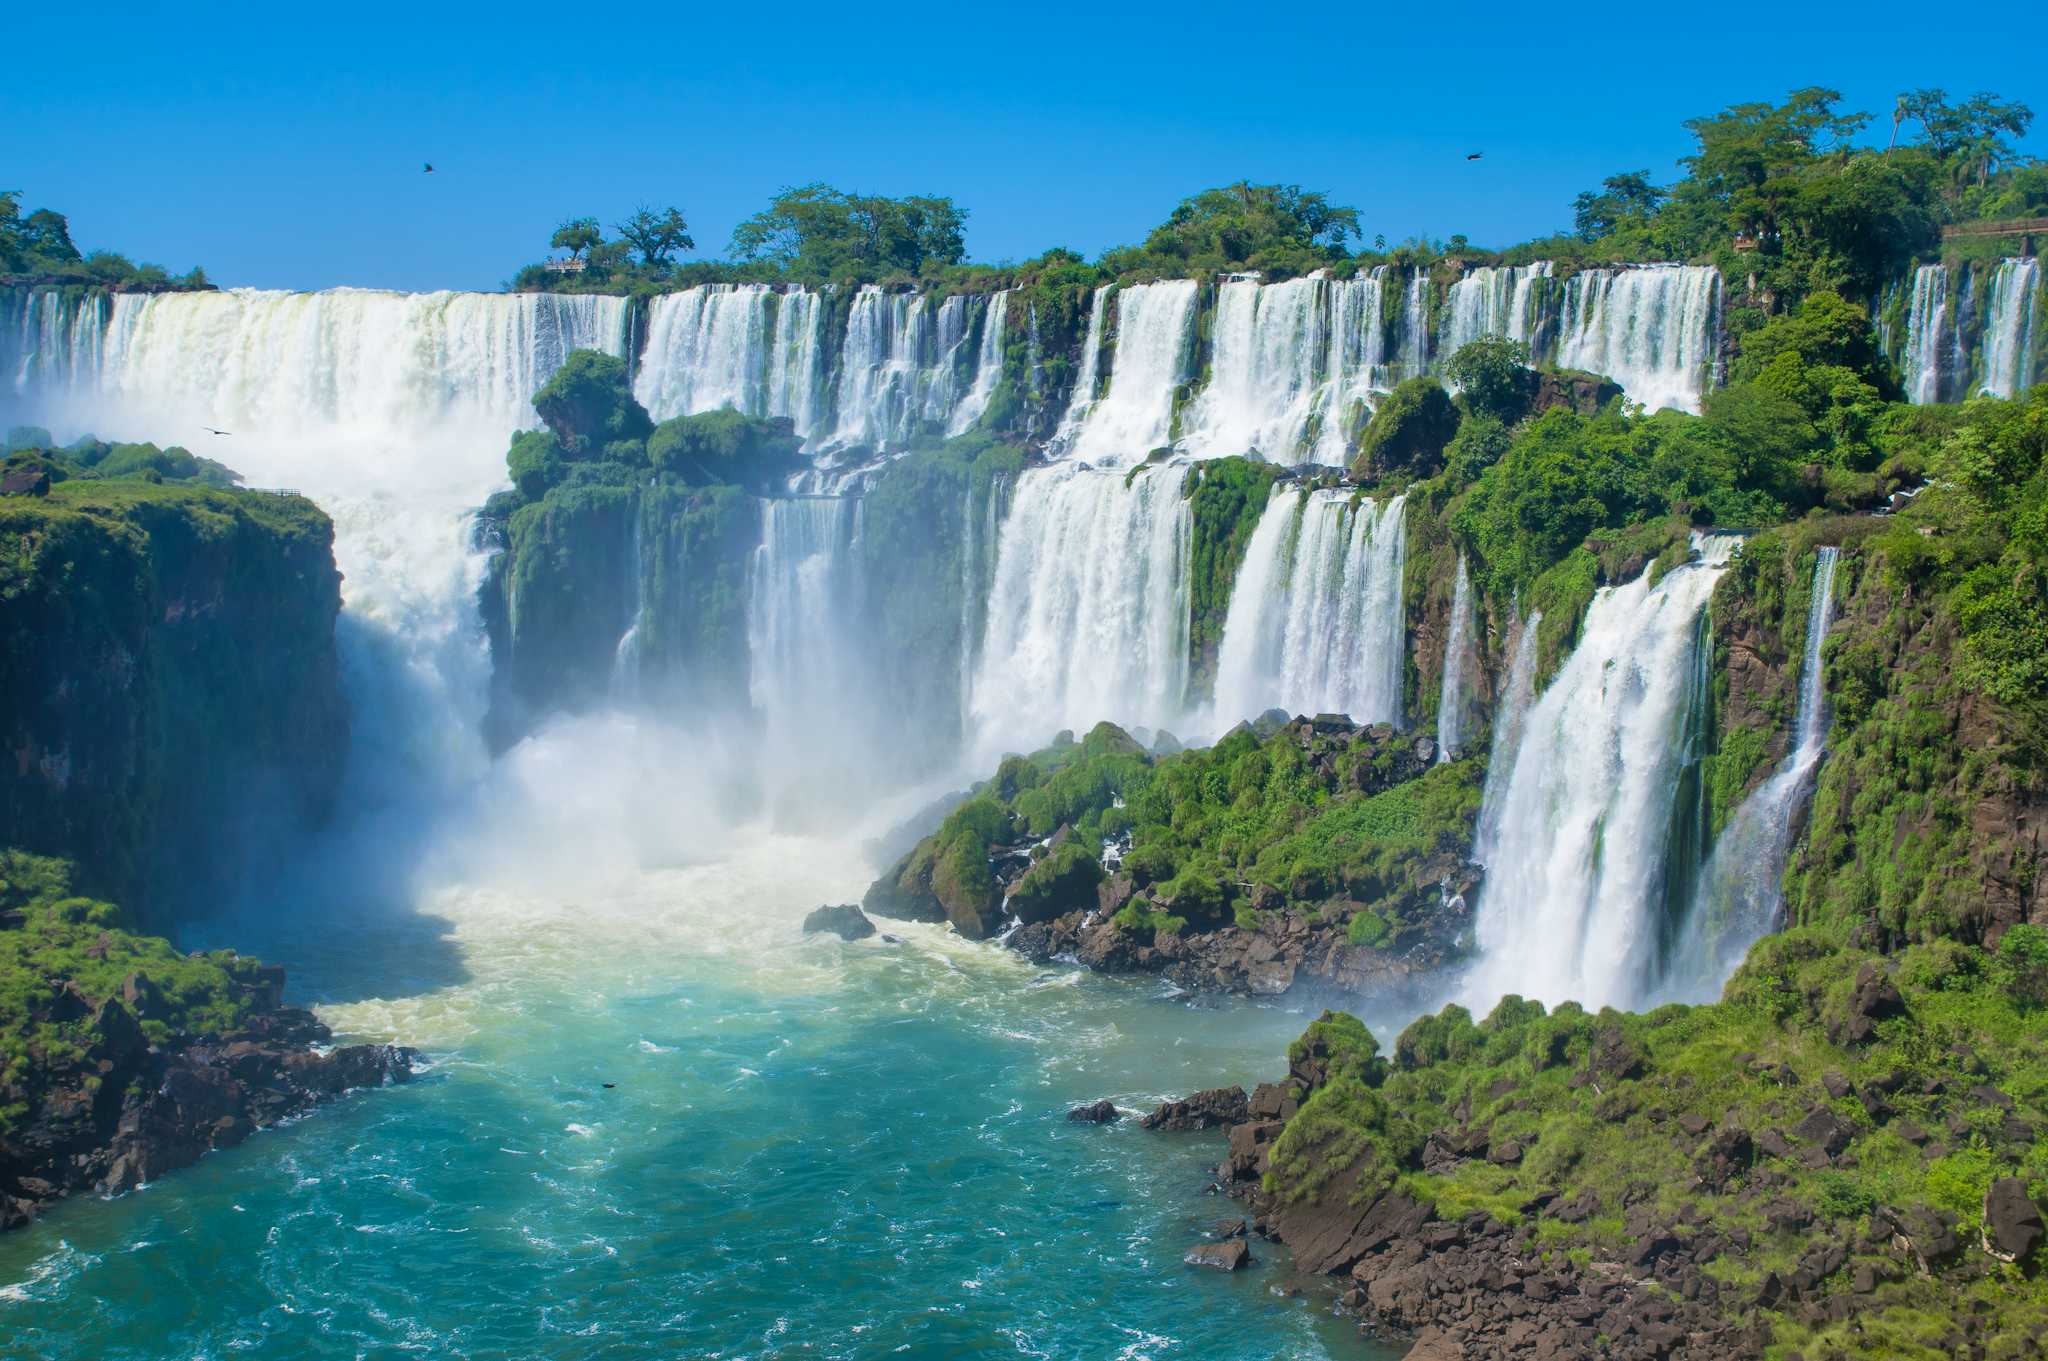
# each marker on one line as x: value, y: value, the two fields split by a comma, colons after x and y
x: 169, y: 690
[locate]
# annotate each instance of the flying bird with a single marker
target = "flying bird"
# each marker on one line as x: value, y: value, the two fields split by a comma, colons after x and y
x: 1470, y: 156
x: 430, y: 167
x: 211, y: 431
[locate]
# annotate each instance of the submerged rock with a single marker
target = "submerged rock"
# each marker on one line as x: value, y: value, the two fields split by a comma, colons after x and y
x: 1216, y: 1107
x: 1229, y: 1255
x: 844, y: 920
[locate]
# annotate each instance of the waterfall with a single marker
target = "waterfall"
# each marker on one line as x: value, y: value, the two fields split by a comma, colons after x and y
x: 1493, y: 300
x: 2009, y: 326
x: 1415, y: 326
x: 1516, y: 696
x: 1648, y: 327
x: 880, y: 367
x: 1265, y: 369
x: 50, y: 343
x: 739, y: 345
x: 988, y: 366
x: 1355, y: 366
x: 1315, y: 623
x: 1087, y: 614
x: 807, y: 664
x: 1155, y: 325
x: 1924, y: 320
x: 1571, y: 905
x: 1740, y: 891
x: 1451, y: 703
x: 1082, y: 400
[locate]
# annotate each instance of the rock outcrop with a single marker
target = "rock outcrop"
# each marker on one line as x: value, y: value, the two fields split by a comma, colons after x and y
x: 123, y: 1111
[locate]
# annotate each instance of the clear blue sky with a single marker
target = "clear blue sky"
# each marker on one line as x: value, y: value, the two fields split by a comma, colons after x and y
x: 284, y: 149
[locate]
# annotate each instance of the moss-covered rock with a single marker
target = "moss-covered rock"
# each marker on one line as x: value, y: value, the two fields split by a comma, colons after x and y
x: 169, y: 688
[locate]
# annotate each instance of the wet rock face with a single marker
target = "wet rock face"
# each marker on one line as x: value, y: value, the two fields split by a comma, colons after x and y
x: 1101, y: 1112
x: 1214, y: 1109
x: 844, y: 921
x: 1229, y: 1255
x: 126, y: 1112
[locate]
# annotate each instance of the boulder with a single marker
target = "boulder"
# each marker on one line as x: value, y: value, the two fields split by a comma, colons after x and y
x: 843, y: 920
x: 1229, y: 1255
x: 1211, y: 1109
x: 2012, y: 1222
x: 1101, y: 1112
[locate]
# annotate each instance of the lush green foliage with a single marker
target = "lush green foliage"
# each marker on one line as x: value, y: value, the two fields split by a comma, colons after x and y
x: 1280, y: 228
x: 37, y: 247
x: 1226, y: 497
x: 1212, y: 831
x: 51, y: 940
x: 1492, y: 374
x: 1408, y: 432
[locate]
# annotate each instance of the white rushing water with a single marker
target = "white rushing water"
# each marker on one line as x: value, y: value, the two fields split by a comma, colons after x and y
x: 2011, y: 304
x: 1517, y: 694
x: 1926, y: 320
x: 1651, y: 328
x: 988, y: 366
x: 746, y: 346
x: 1575, y: 864
x: 1740, y: 891
x: 1492, y: 300
x: 1316, y: 622
x: 1155, y: 331
x: 1088, y: 609
x: 1455, y: 699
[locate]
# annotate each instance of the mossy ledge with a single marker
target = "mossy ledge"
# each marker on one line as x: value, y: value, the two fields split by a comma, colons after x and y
x: 169, y: 689
x: 1293, y: 855
x: 122, y: 1059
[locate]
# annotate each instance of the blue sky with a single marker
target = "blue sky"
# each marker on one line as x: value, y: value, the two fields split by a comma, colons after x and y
x: 284, y: 150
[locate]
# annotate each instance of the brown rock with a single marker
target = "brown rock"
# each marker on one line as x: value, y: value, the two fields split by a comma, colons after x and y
x: 1229, y: 1255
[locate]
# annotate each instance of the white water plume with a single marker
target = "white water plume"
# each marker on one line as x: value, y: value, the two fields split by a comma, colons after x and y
x: 988, y: 366
x: 1492, y: 300
x: 1454, y: 700
x: 1926, y: 316
x: 1650, y: 328
x: 1739, y: 892
x: 1569, y: 907
x: 1088, y: 610
x: 1154, y: 342
x: 1315, y: 622
x: 2009, y: 313
x: 746, y: 346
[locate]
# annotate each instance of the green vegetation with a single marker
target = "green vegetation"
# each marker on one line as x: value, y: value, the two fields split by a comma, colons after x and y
x: 1408, y: 433
x: 36, y: 248
x: 1358, y: 828
x: 1226, y: 497
x: 1809, y: 1105
x: 62, y: 955
x: 168, y: 651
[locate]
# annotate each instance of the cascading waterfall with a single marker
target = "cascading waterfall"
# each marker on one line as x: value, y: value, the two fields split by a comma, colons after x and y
x: 1493, y: 300
x: 1356, y: 365
x: 1088, y: 609
x: 745, y: 346
x: 1572, y: 901
x: 49, y: 342
x: 1155, y: 327
x: 1926, y: 316
x: 2014, y: 297
x: 1453, y: 700
x: 806, y: 653
x: 1082, y: 399
x: 1513, y: 713
x: 1649, y: 327
x: 1264, y: 369
x: 880, y: 367
x: 988, y: 366
x: 1415, y: 355
x: 1739, y: 891
x: 1315, y: 623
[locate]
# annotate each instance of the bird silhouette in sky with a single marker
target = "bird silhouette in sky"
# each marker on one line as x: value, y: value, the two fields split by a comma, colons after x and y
x: 430, y: 167
x: 211, y: 431
x: 1470, y: 156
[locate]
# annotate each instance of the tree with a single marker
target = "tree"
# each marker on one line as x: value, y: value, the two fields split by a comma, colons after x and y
x: 1751, y: 156
x: 656, y: 236
x: 576, y: 236
x: 48, y: 234
x: 1629, y: 195
x: 1231, y: 225
x: 821, y: 232
x: 1408, y: 432
x: 1967, y: 138
x: 1493, y: 374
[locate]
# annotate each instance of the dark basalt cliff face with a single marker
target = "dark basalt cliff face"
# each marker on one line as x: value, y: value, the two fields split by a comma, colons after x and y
x: 169, y: 689
x: 114, y: 1110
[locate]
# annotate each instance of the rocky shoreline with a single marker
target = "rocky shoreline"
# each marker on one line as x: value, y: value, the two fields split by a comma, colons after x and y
x: 120, y: 1111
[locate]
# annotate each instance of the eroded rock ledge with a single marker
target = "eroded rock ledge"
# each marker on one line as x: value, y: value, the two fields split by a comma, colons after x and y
x: 123, y: 1111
